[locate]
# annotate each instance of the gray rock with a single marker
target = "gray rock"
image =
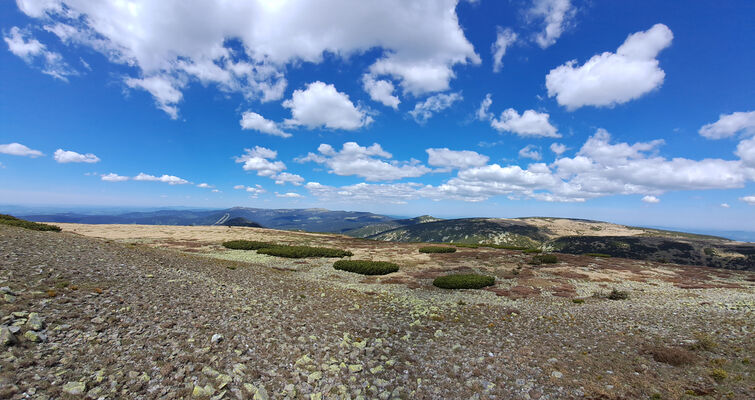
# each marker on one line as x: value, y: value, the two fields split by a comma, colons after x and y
x: 35, y: 322
x: 216, y: 338
x: 35, y: 337
x: 75, y: 388
x: 6, y: 290
x: 6, y: 337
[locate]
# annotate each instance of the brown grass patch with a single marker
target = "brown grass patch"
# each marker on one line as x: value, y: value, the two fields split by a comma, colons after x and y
x: 676, y: 356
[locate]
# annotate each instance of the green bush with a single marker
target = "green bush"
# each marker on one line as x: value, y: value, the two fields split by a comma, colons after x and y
x: 13, y: 221
x: 365, y: 267
x: 618, y: 295
x: 246, y: 245
x: 506, y: 247
x: 466, y: 245
x: 578, y: 301
x: 544, y: 259
x: 532, y: 251
x: 598, y: 255
x: 303, y: 251
x: 463, y: 281
x: 437, y: 249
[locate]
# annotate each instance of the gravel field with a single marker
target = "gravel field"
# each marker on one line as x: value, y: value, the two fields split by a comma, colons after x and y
x: 122, y: 317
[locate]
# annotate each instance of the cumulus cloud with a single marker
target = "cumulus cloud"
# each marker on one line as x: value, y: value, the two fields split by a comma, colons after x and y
x: 63, y: 156
x: 433, y: 104
x: 650, y: 199
x: 749, y: 200
x: 289, y: 195
x: 246, y: 46
x: 260, y: 159
x: 169, y: 179
x: 455, y: 159
x: 608, y: 79
x: 380, y: 91
x: 746, y: 151
x: 320, y: 105
x: 370, y: 162
x: 395, y: 193
x: 729, y: 125
x: 725, y: 205
x: 17, y: 149
x: 285, y: 177
x: 112, y: 177
x: 205, y: 186
x: 558, y: 148
x: 254, y: 121
x: 529, y: 124
x: 530, y: 151
x: 556, y: 15
x: 33, y: 52
x: 504, y: 39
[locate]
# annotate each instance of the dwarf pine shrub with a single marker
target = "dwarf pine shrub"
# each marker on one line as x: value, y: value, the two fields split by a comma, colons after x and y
x: 21, y: 223
x: 246, y: 245
x: 303, y: 251
x: 463, y: 281
x: 366, y: 267
x: 437, y: 249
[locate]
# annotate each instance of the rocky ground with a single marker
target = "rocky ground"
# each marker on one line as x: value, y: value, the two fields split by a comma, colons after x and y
x: 117, y: 317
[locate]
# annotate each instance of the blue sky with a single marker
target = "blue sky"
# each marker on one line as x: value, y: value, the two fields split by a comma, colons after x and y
x: 633, y: 112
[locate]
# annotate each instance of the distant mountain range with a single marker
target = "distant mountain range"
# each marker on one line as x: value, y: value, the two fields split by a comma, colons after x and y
x: 310, y: 219
x: 564, y: 235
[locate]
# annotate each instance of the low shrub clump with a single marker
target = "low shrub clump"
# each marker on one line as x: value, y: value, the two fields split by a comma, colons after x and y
x: 544, y: 259
x: 618, y: 295
x: 365, y: 267
x: 532, y: 251
x: 675, y: 356
x: 467, y: 245
x: 246, y: 245
x: 463, y: 281
x: 303, y: 251
x: 506, y: 247
x: 437, y: 249
x: 578, y: 301
x: 598, y: 255
x: 21, y: 223
x: 704, y: 341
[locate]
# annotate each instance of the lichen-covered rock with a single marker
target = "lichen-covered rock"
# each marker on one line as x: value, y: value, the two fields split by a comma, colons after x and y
x: 75, y: 388
x: 7, y: 338
x: 34, y: 322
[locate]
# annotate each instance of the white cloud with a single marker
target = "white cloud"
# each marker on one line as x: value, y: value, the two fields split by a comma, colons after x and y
x: 367, y: 162
x: 21, y: 43
x: 395, y: 193
x: 504, y: 39
x: 63, y: 156
x: 205, y: 186
x: 239, y: 187
x: 165, y: 91
x: 320, y: 105
x: 746, y: 151
x: 259, y: 159
x: 17, y: 149
x: 725, y: 205
x: 169, y: 179
x: 558, y: 148
x: 216, y: 191
x: 111, y: 177
x: 556, y: 16
x: 380, y: 91
x: 285, y: 177
x: 608, y: 79
x: 530, y: 124
x: 482, y: 113
x: 730, y: 124
x: 246, y: 46
x: 254, y: 121
x: 651, y: 199
x: 289, y: 195
x: 531, y: 151
x: 424, y: 110
x: 458, y: 159
x: 262, y: 160
x: 749, y: 200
